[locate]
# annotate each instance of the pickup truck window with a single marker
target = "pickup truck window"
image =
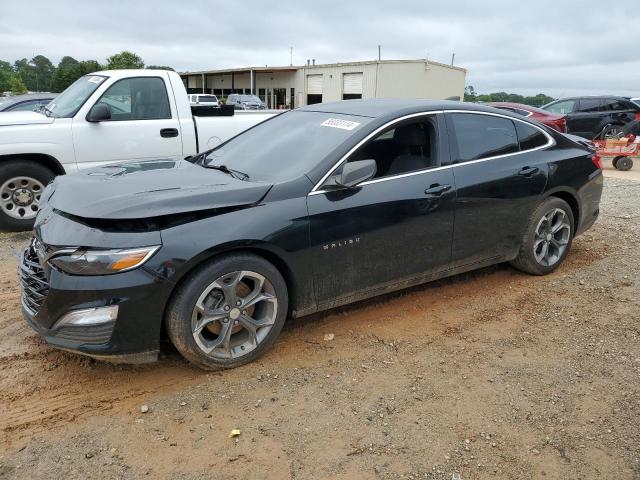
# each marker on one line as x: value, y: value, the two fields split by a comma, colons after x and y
x: 141, y: 98
x: 286, y: 146
x: 69, y: 102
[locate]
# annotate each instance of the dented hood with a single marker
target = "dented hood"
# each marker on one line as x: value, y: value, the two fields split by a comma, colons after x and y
x: 149, y: 189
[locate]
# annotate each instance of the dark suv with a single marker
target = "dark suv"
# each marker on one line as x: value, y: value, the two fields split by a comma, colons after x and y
x: 592, y: 117
x: 245, y: 102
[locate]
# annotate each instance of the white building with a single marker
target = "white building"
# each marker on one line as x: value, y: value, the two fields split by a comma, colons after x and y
x: 295, y: 86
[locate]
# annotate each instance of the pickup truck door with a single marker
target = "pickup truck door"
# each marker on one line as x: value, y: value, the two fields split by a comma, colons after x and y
x: 144, y: 124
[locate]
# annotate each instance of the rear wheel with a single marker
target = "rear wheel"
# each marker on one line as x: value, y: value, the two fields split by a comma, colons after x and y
x: 547, y: 239
x: 623, y: 163
x: 613, y: 131
x: 21, y: 185
x: 229, y: 312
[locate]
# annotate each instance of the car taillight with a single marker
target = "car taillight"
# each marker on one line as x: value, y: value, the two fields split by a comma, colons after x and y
x: 637, y: 115
x: 562, y: 124
x: 597, y: 161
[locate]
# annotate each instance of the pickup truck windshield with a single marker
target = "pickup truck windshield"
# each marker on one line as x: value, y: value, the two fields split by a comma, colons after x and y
x: 69, y: 102
x: 286, y: 146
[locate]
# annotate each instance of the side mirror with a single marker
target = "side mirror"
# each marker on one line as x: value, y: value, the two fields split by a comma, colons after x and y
x: 99, y: 113
x: 353, y: 173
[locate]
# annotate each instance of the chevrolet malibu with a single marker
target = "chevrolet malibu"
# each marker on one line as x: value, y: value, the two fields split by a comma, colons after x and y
x: 315, y: 208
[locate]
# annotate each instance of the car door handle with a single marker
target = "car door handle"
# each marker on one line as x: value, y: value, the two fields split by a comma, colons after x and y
x: 528, y: 171
x: 168, y: 132
x: 436, y: 190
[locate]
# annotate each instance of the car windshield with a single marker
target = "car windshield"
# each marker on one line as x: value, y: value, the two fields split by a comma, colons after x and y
x: 69, y: 102
x: 3, y: 100
x: 249, y: 98
x: 286, y: 146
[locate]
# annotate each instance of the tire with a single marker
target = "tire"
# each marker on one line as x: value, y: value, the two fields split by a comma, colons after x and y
x: 209, y: 290
x: 614, y: 162
x: 623, y: 163
x: 21, y: 183
x: 533, y: 258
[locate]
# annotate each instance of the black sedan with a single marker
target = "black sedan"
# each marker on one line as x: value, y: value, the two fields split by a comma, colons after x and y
x: 315, y: 208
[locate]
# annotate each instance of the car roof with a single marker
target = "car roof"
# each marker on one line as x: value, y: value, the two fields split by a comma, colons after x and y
x: 379, y: 107
x: 10, y: 101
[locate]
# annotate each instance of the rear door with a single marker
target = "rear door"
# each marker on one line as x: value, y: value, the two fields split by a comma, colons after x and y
x: 588, y: 117
x: 143, y: 125
x: 394, y: 228
x: 500, y: 176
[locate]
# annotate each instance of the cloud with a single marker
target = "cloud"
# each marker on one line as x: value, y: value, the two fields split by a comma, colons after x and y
x: 556, y: 47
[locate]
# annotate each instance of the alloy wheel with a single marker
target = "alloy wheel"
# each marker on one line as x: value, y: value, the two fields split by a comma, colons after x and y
x: 552, y: 235
x: 234, y: 314
x: 20, y: 197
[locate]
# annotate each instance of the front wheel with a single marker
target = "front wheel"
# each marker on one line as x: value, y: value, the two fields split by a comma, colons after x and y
x: 21, y: 185
x: 547, y: 239
x: 229, y: 312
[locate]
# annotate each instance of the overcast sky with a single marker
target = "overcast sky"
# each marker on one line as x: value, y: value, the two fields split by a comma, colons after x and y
x: 558, y: 47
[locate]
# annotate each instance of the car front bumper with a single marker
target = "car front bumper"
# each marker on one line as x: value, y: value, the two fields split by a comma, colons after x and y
x: 133, y: 336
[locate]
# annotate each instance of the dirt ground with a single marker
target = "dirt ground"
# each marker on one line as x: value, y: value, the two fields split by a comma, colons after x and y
x: 492, y: 374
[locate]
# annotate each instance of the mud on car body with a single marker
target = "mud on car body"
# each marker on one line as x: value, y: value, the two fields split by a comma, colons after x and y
x: 312, y: 209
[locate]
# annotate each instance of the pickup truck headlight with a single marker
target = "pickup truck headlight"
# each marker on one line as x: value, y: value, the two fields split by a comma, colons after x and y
x: 102, y: 262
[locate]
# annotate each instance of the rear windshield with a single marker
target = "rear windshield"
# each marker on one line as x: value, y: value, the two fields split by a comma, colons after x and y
x: 286, y: 146
x: 206, y: 98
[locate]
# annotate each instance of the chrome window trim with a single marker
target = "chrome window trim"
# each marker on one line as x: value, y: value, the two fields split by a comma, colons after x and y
x: 315, y: 191
x: 550, y: 143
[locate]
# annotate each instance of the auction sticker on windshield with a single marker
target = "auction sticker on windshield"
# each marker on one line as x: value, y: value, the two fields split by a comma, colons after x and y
x: 338, y: 123
x: 96, y: 79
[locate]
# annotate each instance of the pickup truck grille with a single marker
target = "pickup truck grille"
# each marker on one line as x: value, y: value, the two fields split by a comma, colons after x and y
x: 33, y: 280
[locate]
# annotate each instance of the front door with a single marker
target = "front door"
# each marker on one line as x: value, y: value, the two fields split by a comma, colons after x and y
x: 142, y: 125
x: 500, y: 177
x: 388, y: 232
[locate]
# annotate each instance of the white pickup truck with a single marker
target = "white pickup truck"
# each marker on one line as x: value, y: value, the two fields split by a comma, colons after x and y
x: 104, y: 117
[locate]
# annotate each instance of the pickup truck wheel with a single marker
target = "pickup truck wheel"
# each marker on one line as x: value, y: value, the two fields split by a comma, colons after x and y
x: 228, y: 312
x: 21, y: 184
x: 547, y: 239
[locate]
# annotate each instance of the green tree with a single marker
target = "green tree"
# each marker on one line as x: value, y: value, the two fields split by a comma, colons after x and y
x: 124, y: 60
x: 90, y: 66
x: 159, y: 67
x: 470, y: 94
x: 43, y: 70
x: 6, y: 76
x: 17, y: 87
x: 68, y: 71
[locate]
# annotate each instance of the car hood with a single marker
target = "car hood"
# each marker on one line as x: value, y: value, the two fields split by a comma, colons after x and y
x: 23, y: 118
x: 149, y: 189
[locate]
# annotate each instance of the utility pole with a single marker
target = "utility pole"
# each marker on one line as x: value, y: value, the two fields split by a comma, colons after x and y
x: 453, y: 56
x: 379, y: 56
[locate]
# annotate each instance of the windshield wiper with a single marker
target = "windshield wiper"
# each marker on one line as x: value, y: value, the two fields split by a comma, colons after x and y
x: 224, y: 169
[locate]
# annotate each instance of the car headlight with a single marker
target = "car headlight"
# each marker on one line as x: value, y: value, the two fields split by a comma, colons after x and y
x: 101, y: 262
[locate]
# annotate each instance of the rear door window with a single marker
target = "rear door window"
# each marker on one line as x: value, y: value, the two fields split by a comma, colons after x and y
x: 589, y: 105
x: 480, y: 136
x: 616, y: 104
x: 530, y: 137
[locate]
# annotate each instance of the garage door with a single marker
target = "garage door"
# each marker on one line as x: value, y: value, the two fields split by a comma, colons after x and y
x: 314, y: 84
x: 352, y: 83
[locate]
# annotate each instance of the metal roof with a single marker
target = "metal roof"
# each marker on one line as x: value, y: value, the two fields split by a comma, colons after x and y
x: 294, y: 68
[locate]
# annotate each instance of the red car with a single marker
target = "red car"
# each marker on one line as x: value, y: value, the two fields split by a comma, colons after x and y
x: 557, y: 122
